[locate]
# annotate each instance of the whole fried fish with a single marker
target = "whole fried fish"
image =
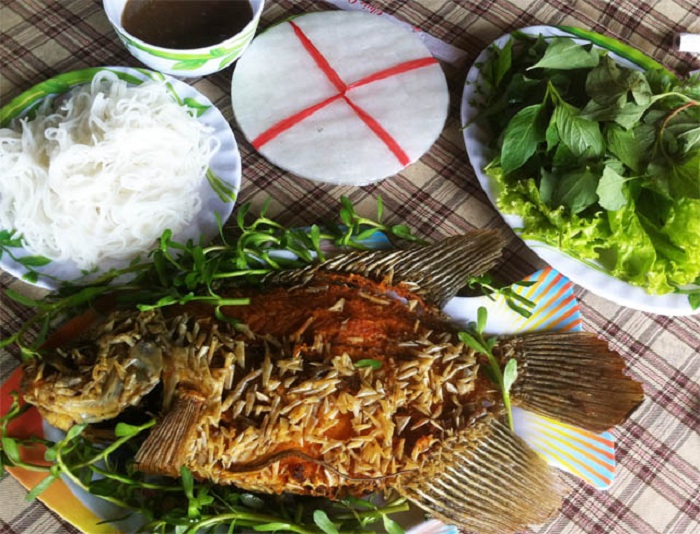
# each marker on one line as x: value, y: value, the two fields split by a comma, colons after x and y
x: 341, y: 378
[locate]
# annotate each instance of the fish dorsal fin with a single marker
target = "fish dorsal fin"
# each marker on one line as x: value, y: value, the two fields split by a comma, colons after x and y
x: 435, y: 272
x: 488, y: 481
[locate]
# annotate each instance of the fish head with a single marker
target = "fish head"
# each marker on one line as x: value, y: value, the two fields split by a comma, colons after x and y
x: 97, y: 376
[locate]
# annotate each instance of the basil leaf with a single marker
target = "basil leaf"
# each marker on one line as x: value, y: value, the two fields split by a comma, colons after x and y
x: 552, y: 134
x: 522, y: 136
x: 626, y: 115
x: 685, y: 177
x: 501, y: 63
x: 580, y: 135
x: 610, y: 190
x: 576, y: 190
x: 690, y: 139
x: 609, y: 85
x: 625, y: 145
x: 564, y: 54
x: 548, y: 182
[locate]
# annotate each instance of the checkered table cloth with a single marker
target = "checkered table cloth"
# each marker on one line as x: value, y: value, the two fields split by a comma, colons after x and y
x: 658, y: 480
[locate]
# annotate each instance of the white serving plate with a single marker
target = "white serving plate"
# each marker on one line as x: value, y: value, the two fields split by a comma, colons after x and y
x: 225, y: 166
x: 588, y: 275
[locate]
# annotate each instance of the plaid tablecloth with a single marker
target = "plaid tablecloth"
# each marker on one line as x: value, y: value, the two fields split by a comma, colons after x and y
x: 658, y: 481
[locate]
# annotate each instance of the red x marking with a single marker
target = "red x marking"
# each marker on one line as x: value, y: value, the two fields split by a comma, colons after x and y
x: 343, y: 89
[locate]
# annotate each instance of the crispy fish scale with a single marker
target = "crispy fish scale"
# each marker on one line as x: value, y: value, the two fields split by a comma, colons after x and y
x: 350, y: 428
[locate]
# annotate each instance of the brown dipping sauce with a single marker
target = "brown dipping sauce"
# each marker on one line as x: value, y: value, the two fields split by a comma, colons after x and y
x: 183, y: 24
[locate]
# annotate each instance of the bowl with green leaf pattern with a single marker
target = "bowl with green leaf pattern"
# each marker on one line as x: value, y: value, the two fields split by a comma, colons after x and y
x: 185, y: 39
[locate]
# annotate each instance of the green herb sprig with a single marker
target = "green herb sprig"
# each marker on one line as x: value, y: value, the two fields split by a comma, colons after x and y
x: 516, y: 302
x: 184, y: 505
x: 9, y: 240
x: 505, y: 378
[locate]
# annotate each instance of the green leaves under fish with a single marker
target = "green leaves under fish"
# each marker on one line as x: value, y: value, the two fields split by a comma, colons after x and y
x: 600, y: 160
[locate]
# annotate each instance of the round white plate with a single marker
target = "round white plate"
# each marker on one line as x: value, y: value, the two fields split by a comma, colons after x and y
x: 224, y: 173
x: 589, y: 276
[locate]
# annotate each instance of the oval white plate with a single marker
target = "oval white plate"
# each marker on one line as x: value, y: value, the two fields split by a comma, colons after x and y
x: 224, y: 172
x: 476, y: 139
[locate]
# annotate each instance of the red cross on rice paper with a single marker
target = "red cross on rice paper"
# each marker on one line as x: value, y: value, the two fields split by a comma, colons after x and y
x: 343, y: 89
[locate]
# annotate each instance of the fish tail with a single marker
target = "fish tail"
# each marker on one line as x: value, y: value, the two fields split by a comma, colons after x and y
x: 168, y: 444
x: 488, y: 481
x: 572, y: 377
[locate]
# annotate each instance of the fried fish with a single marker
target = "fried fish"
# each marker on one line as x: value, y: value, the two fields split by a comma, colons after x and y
x: 341, y: 378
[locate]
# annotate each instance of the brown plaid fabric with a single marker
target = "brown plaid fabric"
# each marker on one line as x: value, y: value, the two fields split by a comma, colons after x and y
x: 657, y: 489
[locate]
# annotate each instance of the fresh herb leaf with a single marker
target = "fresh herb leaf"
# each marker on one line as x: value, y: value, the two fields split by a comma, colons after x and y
x: 516, y: 302
x: 472, y: 342
x: 626, y: 145
x: 564, y: 54
x: 609, y: 85
x: 501, y: 63
x: 324, y: 523
x: 610, y: 190
x: 10, y: 448
x: 510, y: 374
x: 374, y: 364
x: 40, y: 488
x: 694, y: 300
x: 391, y: 526
x: 476, y: 340
x: 576, y: 190
x: 522, y: 137
x: 582, y: 136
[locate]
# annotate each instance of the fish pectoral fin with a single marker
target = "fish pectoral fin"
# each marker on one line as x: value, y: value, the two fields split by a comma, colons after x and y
x: 487, y: 481
x: 169, y: 443
x: 574, y: 378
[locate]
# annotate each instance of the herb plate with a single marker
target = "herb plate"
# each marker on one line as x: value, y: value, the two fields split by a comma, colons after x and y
x: 218, y: 192
x: 588, y: 274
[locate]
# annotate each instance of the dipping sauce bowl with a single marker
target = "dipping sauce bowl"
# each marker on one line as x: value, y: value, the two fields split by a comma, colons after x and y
x: 178, y: 61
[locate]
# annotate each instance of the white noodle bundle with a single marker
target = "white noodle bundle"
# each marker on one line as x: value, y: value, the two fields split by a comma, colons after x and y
x: 104, y: 175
